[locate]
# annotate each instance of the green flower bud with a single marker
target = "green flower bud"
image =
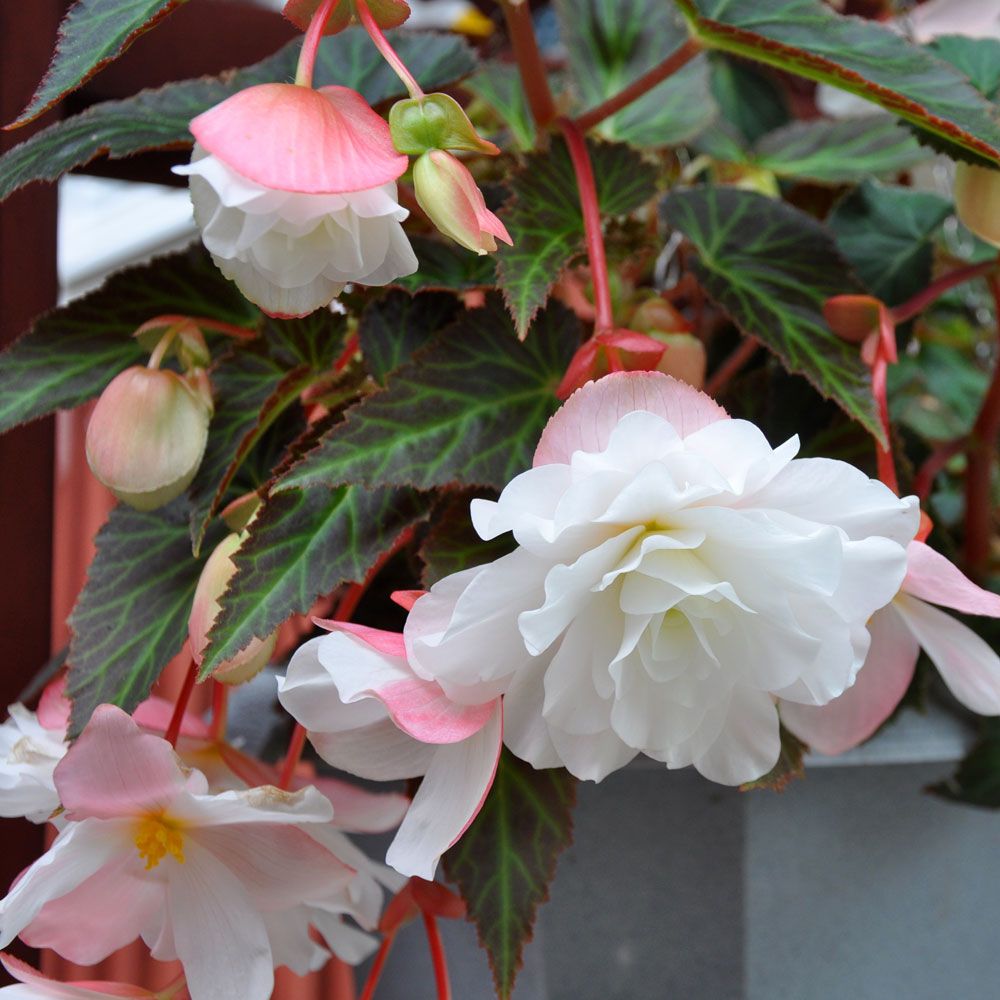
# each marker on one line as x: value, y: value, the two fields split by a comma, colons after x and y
x: 435, y: 121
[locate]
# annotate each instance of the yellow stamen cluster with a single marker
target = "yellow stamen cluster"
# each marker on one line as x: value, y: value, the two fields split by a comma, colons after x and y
x: 155, y: 838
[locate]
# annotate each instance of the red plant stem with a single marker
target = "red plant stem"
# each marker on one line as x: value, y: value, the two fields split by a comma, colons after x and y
x: 180, y: 707
x: 982, y: 446
x: 375, y: 973
x: 883, y: 454
x: 295, y: 747
x: 437, y: 957
x: 732, y: 366
x: 675, y: 61
x: 577, y: 145
x: 913, y: 307
x: 215, y: 325
x: 389, y: 54
x: 220, y: 704
x: 350, y: 349
x: 529, y: 61
x: 934, y: 463
x: 310, y: 44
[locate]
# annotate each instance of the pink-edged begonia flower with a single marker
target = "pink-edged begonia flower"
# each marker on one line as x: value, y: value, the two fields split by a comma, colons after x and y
x: 674, y: 575
x: 33, y: 985
x: 147, y: 852
x: 294, y: 191
x: 967, y: 664
x: 367, y: 713
x: 615, y: 351
x: 447, y: 192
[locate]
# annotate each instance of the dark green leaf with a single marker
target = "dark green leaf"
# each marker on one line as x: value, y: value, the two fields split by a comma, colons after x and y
x: 886, y: 233
x: 303, y: 544
x: 771, y: 268
x: 499, y: 85
x: 446, y: 265
x: 131, y: 618
x: 807, y: 38
x: 452, y: 544
x: 749, y: 99
x: 159, y: 118
x: 977, y: 780
x: 253, y: 386
x: 71, y: 353
x: 469, y: 409
x: 976, y: 58
x: 92, y: 34
x: 788, y: 768
x: 505, y: 861
x: 545, y: 220
x: 839, y: 152
x: 397, y: 324
x: 611, y: 43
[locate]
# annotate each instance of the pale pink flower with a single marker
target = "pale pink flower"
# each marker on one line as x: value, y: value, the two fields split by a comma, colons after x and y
x: 149, y: 853
x: 294, y: 191
x: 32, y: 985
x: 674, y: 576
x: 366, y: 712
x: 967, y: 664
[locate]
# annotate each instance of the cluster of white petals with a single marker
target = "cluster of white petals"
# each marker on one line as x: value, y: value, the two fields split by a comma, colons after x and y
x: 292, y: 252
x: 29, y: 753
x: 674, y: 575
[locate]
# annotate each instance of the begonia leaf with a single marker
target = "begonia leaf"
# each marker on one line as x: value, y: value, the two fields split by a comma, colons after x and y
x: 886, y: 233
x: 158, y: 119
x: 809, y: 39
x: 750, y: 98
x: 92, y: 34
x: 446, y: 265
x: 469, y: 408
x: 505, y: 861
x: 304, y: 544
x: 613, y: 42
x: 252, y: 386
x: 976, y: 782
x: 131, y: 617
x: 452, y: 545
x: 499, y: 85
x: 397, y: 324
x: 839, y: 152
x: 978, y: 59
x: 70, y: 354
x: 546, y: 223
x: 771, y: 267
x: 788, y: 768
x: 387, y: 14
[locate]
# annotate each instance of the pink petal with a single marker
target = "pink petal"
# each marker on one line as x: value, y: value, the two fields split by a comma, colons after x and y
x: 291, y: 138
x: 264, y: 805
x: 407, y: 598
x: 380, y: 751
x: 969, y: 667
x: 357, y: 810
x: 24, y: 973
x: 880, y: 685
x: 114, y: 769
x: 585, y: 421
x: 448, y: 800
x: 390, y: 643
x: 155, y: 714
x: 54, y: 707
x: 933, y: 578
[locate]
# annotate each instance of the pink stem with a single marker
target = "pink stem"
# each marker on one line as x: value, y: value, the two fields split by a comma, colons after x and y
x: 732, y: 366
x: 295, y: 747
x: 529, y: 62
x: 310, y: 44
x: 180, y: 707
x: 577, y: 146
x: 934, y: 463
x: 437, y: 957
x: 913, y: 307
x: 375, y: 973
x: 388, y: 52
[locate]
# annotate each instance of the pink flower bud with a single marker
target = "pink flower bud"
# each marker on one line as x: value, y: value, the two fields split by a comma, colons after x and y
x: 684, y: 357
x: 215, y: 577
x: 447, y: 193
x: 977, y: 200
x: 147, y: 435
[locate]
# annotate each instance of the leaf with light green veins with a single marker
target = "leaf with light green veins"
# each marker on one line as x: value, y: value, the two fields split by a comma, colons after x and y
x: 839, y: 152
x: 397, y: 324
x: 252, y: 386
x: 70, y: 354
x: 887, y: 235
x: 546, y: 223
x: 92, y: 34
x: 499, y: 85
x: 807, y: 38
x: 445, y: 266
x: 303, y: 544
x: 452, y: 545
x: 468, y: 408
x: 976, y: 58
x: 158, y: 119
x: 771, y: 267
x: 131, y: 617
x: 505, y: 861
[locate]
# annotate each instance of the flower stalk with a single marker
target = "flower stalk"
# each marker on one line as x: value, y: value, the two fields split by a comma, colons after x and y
x: 913, y: 307
x: 389, y: 54
x: 310, y: 44
x: 180, y: 706
x: 517, y: 14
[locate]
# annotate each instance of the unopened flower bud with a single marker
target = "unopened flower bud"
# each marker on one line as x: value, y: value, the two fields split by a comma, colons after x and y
x: 977, y: 200
x: 186, y: 341
x: 657, y: 314
x: 434, y: 121
x: 147, y: 434
x: 684, y: 358
x: 215, y: 577
x: 447, y: 193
